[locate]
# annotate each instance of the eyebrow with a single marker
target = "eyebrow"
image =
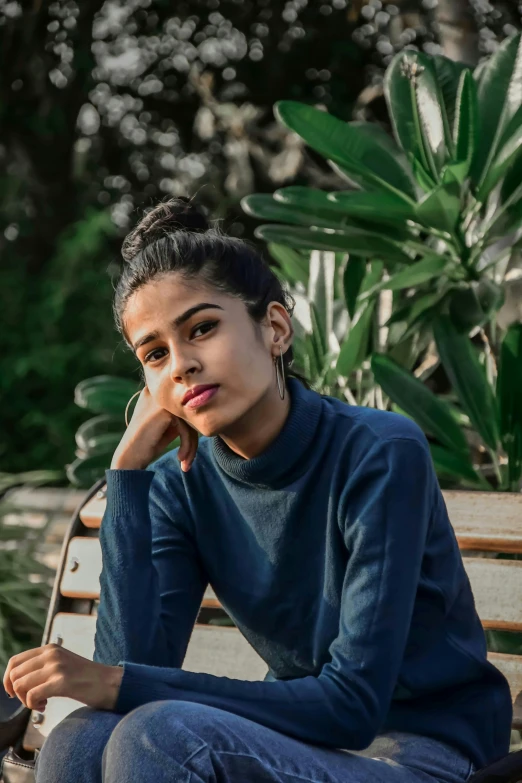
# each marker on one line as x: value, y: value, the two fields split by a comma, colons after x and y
x: 176, y: 322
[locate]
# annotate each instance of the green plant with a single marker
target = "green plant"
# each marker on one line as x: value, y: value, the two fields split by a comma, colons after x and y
x: 335, y: 329
x: 25, y: 582
x: 489, y: 403
x: 97, y: 438
x: 439, y: 204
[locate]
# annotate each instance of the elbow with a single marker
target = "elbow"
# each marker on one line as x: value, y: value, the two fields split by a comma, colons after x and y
x: 358, y: 724
x: 363, y: 737
x: 352, y: 729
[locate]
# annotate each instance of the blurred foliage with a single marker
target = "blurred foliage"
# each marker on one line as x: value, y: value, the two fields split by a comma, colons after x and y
x: 26, y: 582
x: 107, y: 106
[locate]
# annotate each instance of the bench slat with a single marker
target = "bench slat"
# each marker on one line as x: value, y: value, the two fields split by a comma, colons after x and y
x: 511, y: 668
x: 81, y: 579
x: 83, y: 566
x: 497, y: 589
x: 486, y: 521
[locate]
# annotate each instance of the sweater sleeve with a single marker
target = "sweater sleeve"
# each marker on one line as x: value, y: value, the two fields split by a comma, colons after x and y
x: 385, y: 509
x: 151, y: 584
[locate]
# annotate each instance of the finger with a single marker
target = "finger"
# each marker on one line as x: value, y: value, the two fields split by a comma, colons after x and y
x: 189, y: 444
x: 16, y: 661
x: 30, y: 672
x: 36, y: 698
x: 34, y: 693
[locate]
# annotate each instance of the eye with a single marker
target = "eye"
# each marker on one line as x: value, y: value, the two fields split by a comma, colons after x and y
x: 149, y: 355
x: 208, y: 326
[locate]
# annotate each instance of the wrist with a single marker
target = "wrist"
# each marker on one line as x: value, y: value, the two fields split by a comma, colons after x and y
x: 113, y: 676
x: 125, y: 463
x: 125, y: 466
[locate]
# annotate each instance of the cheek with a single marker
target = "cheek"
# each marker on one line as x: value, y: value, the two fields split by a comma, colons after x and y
x: 156, y: 386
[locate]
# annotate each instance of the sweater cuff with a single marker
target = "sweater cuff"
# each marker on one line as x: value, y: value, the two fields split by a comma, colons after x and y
x: 136, y: 690
x: 128, y: 492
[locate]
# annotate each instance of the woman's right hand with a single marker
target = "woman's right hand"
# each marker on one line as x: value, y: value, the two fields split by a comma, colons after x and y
x: 150, y: 431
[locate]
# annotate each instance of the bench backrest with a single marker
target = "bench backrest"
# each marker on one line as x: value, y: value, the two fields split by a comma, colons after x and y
x: 484, y: 522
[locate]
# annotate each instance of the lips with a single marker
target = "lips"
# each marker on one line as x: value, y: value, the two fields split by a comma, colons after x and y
x: 196, y: 391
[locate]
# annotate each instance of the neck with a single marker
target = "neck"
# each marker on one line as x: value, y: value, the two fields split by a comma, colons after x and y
x: 259, y: 426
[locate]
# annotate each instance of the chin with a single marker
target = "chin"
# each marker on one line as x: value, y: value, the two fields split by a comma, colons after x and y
x: 210, y: 423
x: 208, y: 426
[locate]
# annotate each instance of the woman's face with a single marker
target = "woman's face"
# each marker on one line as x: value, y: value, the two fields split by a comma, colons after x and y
x: 190, y: 345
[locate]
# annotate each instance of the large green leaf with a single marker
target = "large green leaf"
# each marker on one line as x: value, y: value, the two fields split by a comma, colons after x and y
x: 431, y: 414
x: 509, y: 153
x: 318, y: 339
x: 263, y: 205
x: 389, y: 219
x: 417, y: 110
x: 449, y: 74
x: 424, y: 179
x: 509, y: 397
x: 305, y: 197
x: 372, y: 276
x: 353, y: 240
x: 456, y: 465
x: 386, y: 140
x: 354, y: 273
x: 85, y: 472
x: 465, y: 126
x: 354, y: 349
x: 346, y: 145
x: 102, y: 444
x: 98, y: 425
x: 378, y: 207
x: 104, y: 394
x: 499, y: 97
x: 416, y: 306
x: 468, y: 378
x: 441, y: 207
x: 294, y: 264
x: 429, y: 268
x: 432, y: 114
x: 321, y: 289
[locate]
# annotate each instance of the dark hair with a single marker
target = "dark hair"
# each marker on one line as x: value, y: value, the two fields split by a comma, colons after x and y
x: 176, y: 236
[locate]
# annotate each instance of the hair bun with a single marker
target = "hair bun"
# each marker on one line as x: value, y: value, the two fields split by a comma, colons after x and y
x: 177, y: 214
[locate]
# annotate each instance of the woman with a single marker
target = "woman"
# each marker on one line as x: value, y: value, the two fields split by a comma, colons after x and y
x: 321, y: 527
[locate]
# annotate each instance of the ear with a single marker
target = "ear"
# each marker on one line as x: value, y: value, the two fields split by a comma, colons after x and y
x: 281, y: 323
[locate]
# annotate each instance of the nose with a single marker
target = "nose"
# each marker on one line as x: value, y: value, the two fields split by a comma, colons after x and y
x: 181, y: 364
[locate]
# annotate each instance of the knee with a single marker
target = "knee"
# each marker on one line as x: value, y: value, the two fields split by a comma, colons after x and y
x: 79, y: 739
x: 170, y: 723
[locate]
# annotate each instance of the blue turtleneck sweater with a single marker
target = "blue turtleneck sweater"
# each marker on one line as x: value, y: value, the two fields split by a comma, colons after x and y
x: 333, y: 553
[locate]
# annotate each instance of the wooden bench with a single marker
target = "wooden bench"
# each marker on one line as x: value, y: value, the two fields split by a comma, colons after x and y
x: 484, y: 522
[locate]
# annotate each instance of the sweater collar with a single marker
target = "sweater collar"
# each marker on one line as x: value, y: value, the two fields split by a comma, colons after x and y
x: 291, y: 447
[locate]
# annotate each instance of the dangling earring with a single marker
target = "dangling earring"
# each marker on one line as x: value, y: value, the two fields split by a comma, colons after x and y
x: 280, y: 373
x: 129, y: 402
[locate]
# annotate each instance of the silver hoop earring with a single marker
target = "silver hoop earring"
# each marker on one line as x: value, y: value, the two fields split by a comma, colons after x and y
x: 129, y: 402
x: 280, y: 373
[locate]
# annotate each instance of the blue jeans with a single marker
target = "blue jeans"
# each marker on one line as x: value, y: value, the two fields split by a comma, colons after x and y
x: 185, y: 742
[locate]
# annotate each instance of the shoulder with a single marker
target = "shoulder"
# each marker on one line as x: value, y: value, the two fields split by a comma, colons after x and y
x: 371, y: 428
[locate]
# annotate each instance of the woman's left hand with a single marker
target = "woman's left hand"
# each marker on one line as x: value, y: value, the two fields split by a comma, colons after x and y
x: 36, y: 675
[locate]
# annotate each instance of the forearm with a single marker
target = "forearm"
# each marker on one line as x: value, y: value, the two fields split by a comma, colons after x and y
x: 128, y: 615
x: 312, y: 709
